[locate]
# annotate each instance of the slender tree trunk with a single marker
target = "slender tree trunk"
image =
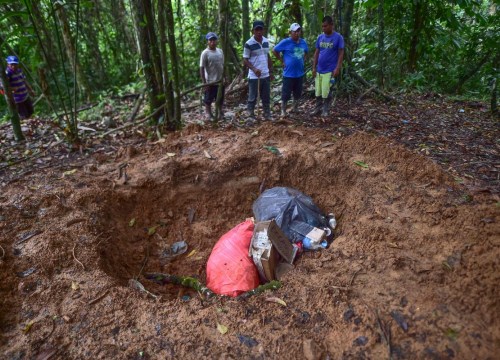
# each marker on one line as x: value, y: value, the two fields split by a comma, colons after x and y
x: 269, y: 15
x: 296, y: 12
x: 222, y: 21
x: 347, y: 12
x: 70, y: 49
x: 122, y: 28
x: 167, y: 84
x: 418, y: 23
x: 245, y: 20
x: 174, y: 63
x: 147, y: 62
x: 44, y: 85
x: 223, y: 29
x: 153, y: 43
x: 89, y: 32
x: 46, y: 37
x: 180, y: 20
x: 14, y: 115
x: 381, y: 44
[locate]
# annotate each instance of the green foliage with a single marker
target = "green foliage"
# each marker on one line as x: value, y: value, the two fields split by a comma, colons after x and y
x: 457, y: 42
x: 454, y: 38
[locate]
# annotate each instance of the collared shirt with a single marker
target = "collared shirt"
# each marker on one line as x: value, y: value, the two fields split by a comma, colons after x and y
x: 257, y: 53
x: 17, y: 84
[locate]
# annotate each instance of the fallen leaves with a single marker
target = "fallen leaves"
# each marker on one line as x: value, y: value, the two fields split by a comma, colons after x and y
x: 222, y: 328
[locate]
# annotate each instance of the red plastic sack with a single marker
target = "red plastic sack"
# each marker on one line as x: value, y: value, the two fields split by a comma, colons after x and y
x: 229, y: 269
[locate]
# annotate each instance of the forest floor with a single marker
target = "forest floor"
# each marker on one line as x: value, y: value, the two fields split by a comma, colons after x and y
x: 412, y: 273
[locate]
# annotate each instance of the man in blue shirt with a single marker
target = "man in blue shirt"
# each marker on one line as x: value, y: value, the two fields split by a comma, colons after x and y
x: 291, y: 52
x: 326, y: 64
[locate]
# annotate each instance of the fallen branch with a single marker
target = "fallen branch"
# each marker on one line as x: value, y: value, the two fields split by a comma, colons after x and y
x: 135, y: 122
x: 137, y: 105
x: 187, y: 281
x: 358, y: 77
x: 3, y: 252
x: 198, y: 87
x: 365, y: 93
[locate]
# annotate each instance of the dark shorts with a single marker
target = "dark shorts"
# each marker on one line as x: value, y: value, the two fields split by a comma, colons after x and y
x: 25, y: 109
x: 292, y: 85
x: 211, y: 94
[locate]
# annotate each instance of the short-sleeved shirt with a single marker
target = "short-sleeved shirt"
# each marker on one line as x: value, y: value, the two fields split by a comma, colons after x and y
x: 257, y: 53
x: 213, y: 63
x: 328, y: 46
x: 293, y: 55
x: 17, y: 84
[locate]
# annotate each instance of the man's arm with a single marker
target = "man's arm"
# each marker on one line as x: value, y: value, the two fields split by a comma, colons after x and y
x: 202, y: 75
x: 249, y: 65
x: 315, y: 62
x: 336, y: 72
x: 279, y: 57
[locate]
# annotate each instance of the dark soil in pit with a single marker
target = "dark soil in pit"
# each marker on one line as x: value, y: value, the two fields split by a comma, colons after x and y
x: 413, y: 271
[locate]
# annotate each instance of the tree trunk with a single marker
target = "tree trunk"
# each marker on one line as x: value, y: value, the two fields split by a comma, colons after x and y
x: 223, y: 29
x: 269, y: 16
x: 245, y: 19
x: 38, y: 20
x: 295, y: 12
x: 176, y: 124
x: 418, y: 23
x: 119, y: 13
x: 180, y: 20
x: 167, y: 88
x: 153, y: 43
x: 70, y: 49
x: 90, y: 34
x: 381, y: 44
x: 14, y: 116
x: 345, y: 30
x: 147, y: 62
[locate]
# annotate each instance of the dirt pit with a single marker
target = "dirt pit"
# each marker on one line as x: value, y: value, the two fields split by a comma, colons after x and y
x: 413, y: 271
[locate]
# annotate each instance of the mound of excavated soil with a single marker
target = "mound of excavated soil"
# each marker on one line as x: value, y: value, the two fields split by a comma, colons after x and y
x: 413, y: 270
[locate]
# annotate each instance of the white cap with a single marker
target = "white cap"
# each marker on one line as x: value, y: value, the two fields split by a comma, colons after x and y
x: 294, y: 27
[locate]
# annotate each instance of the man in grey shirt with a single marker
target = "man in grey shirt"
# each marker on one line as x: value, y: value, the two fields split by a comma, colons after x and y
x: 212, y: 70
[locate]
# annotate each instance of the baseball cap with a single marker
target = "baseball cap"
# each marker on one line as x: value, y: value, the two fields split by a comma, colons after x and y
x: 295, y: 27
x: 12, y: 59
x: 258, y: 23
x: 211, y: 35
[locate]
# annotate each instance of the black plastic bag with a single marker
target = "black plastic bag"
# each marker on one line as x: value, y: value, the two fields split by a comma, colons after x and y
x: 293, y: 211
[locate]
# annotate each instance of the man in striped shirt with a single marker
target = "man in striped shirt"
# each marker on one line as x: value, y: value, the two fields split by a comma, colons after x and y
x: 19, y: 87
x: 256, y: 58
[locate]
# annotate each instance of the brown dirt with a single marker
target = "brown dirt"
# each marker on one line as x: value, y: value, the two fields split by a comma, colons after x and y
x: 411, y: 243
